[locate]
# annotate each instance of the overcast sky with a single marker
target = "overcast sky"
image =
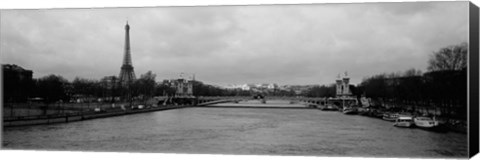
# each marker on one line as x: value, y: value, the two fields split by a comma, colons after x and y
x: 284, y: 44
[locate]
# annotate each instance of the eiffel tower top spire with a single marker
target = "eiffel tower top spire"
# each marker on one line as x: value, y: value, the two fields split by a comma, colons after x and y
x: 127, y: 60
x: 127, y: 74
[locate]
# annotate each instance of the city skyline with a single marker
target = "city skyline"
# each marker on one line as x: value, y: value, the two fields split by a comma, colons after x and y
x: 221, y: 45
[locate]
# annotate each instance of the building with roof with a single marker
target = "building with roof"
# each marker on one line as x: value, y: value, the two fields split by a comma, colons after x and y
x: 17, y: 83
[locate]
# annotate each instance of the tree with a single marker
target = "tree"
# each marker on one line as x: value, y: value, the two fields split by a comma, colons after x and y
x: 111, y: 87
x: 449, y: 58
x: 164, y: 89
x: 52, y: 88
x: 412, y: 72
x: 149, y: 83
x: 144, y: 86
x: 321, y: 91
x: 375, y: 87
x: 84, y: 87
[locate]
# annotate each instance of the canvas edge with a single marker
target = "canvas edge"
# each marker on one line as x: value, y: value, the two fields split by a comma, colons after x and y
x: 473, y: 117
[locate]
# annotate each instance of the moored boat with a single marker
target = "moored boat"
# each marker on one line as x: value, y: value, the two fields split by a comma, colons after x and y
x: 363, y: 111
x: 376, y: 113
x: 329, y: 107
x: 457, y: 126
x: 425, y: 122
x: 390, y: 116
x: 404, y: 121
x: 349, y: 110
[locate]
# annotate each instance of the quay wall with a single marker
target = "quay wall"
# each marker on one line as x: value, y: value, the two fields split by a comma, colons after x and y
x: 40, y: 120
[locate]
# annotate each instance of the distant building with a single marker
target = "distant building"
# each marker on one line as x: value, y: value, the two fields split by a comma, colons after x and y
x: 299, y: 89
x: 238, y: 86
x: 246, y: 87
x: 17, y: 83
x: 254, y: 87
x: 284, y: 88
x: 182, y: 86
x: 272, y: 86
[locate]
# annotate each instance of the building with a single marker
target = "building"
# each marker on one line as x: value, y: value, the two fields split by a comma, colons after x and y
x: 17, y: 83
x: 246, y: 87
x: 257, y: 87
x: 182, y: 87
x: 272, y: 86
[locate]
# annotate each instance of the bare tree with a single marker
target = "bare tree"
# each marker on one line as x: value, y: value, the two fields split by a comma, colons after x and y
x: 449, y: 58
x: 412, y: 72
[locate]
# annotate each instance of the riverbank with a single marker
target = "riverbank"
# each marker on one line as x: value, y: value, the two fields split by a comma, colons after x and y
x: 79, y: 116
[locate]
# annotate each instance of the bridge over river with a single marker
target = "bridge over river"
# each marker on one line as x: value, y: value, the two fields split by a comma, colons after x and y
x: 279, y: 127
x: 278, y: 104
x: 270, y: 102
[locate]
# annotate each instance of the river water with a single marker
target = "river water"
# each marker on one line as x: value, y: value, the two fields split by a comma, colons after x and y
x: 271, y: 131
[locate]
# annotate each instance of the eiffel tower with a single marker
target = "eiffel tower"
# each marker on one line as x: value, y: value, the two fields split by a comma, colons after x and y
x: 127, y: 75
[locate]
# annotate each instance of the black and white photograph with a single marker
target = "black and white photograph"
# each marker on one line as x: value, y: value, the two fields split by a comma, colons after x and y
x: 376, y: 79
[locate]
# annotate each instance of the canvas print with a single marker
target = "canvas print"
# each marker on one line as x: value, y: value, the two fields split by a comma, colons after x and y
x: 355, y: 80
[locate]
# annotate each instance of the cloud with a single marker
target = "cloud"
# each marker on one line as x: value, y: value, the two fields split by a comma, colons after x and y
x: 286, y: 44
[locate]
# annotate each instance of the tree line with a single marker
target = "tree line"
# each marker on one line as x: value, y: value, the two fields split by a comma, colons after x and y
x: 442, y: 87
x: 55, y: 88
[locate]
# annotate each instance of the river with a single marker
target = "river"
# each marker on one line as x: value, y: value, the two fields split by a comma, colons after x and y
x: 271, y: 131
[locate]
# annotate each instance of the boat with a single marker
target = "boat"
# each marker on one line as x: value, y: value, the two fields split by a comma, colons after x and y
x: 376, y: 113
x: 312, y: 106
x: 404, y: 121
x: 390, y: 116
x: 457, y: 126
x: 349, y: 110
x: 329, y: 107
x: 363, y: 111
x: 425, y: 122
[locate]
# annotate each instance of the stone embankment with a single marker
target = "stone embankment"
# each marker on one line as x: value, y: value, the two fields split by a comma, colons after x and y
x: 72, y: 117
